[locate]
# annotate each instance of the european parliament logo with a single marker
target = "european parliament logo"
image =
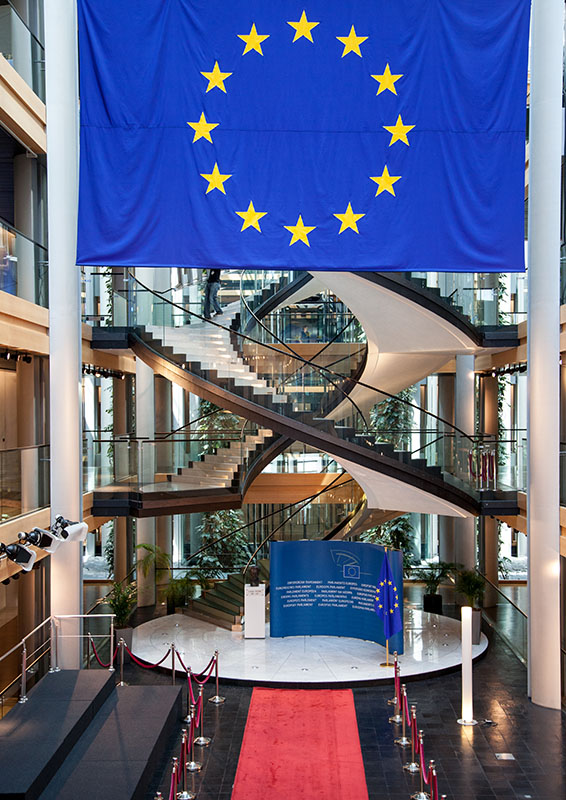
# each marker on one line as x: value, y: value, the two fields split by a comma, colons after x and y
x: 352, y: 136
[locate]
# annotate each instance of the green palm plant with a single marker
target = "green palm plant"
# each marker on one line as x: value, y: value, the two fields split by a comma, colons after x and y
x: 153, y: 557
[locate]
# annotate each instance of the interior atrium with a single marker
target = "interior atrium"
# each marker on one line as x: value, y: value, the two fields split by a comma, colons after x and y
x: 417, y: 411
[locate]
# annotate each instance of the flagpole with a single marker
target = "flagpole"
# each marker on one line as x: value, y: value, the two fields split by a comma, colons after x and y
x: 386, y: 662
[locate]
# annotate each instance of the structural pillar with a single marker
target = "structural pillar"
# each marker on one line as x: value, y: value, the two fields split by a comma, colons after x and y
x: 65, y: 307
x: 145, y: 526
x: 543, y: 499
x: 24, y: 168
x: 120, y: 548
x: 464, y: 416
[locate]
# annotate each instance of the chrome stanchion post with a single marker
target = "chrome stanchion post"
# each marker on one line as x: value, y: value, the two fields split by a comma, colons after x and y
x: 173, y: 663
x: 202, y: 740
x: 89, y: 648
x: 402, y: 740
x: 193, y: 766
x: 111, y: 659
x: 412, y: 766
x: 216, y: 698
x: 175, y: 777
x: 23, y: 696
x: 187, y: 719
x: 421, y: 794
x: 393, y: 700
x: 158, y: 796
x: 122, y: 645
x: 185, y: 794
x: 396, y: 718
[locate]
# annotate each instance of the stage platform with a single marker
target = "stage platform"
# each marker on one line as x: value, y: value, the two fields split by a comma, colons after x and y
x: 432, y: 644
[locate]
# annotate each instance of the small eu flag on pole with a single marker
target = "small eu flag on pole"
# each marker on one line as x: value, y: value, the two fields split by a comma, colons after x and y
x: 386, y: 603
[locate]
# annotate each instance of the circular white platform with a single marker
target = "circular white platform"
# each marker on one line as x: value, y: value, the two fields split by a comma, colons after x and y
x: 432, y: 643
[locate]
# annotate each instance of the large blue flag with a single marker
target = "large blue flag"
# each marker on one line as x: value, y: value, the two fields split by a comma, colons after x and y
x: 369, y: 134
x: 386, y: 603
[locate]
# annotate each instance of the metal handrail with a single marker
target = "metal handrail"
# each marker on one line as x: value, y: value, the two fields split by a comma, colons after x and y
x: 498, y: 590
x: 20, y: 643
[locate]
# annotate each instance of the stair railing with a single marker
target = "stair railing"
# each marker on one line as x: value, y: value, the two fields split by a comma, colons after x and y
x: 467, y: 443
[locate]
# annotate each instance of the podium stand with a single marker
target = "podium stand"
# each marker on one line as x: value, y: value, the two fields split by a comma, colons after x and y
x: 254, y: 612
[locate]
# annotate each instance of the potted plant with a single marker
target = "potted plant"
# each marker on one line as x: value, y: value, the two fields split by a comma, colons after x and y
x: 471, y: 584
x: 122, y: 600
x: 178, y: 592
x: 433, y: 575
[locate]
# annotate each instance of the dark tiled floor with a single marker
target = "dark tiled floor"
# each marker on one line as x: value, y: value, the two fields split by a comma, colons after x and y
x: 465, y: 757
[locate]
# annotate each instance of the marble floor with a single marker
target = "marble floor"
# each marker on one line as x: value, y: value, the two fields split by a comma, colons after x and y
x: 432, y: 644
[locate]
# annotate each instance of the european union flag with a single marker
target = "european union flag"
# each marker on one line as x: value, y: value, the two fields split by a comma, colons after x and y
x: 386, y: 603
x: 320, y: 134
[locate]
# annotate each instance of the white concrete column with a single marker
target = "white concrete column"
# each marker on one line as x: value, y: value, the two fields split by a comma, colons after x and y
x: 464, y: 405
x: 23, y: 221
x: 446, y: 539
x: 64, y: 311
x: 145, y: 527
x: 120, y: 548
x: 546, y: 119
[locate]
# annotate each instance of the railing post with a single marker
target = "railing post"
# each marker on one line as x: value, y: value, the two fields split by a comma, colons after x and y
x: 121, y: 645
x: 111, y: 659
x: 54, y: 667
x: 23, y: 696
x: 173, y: 663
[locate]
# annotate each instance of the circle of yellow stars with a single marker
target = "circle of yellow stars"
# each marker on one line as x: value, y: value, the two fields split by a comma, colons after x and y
x: 352, y: 44
x: 378, y: 598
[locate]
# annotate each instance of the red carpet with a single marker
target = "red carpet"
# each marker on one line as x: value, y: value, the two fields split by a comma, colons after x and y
x: 302, y: 745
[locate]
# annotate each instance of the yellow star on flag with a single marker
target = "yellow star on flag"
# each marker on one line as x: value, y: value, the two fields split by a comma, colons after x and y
x: 300, y: 231
x: 251, y: 217
x: 349, y: 220
x: 253, y: 40
x: 216, y: 78
x: 215, y: 179
x: 385, y: 182
x: 380, y: 606
x: 387, y: 80
x: 202, y: 128
x: 351, y: 42
x: 303, y: 27
x: 399, y: 131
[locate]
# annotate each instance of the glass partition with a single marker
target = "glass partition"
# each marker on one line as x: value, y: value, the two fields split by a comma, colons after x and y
x: 24, y: 480
x: 22, y: 49
x: 23, y: 266
x: 510, y: 622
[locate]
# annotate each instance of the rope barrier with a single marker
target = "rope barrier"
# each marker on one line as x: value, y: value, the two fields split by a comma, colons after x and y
x: 146, y: 666
x: 98, y: 659
x: 428, y: 776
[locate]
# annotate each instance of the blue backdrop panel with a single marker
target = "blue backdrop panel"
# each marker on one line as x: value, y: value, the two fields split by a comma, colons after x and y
x: 328, y: 589
x: 367, y: 135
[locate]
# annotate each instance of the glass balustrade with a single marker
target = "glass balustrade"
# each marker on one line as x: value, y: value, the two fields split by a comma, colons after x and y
x: 487, y: 299
x: 175, y: 461
x: 22, y: 49
x: 24, y: 480
x: 507, y: 618
x: 23, y: 266
x: 321, y: 390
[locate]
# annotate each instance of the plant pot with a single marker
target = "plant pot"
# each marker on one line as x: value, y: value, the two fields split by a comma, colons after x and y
x: 432, y: 603
x: 476, y: 625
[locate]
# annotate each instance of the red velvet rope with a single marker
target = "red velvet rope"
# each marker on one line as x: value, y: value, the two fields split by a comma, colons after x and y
x: 471, y: 464
x: 406, y: 711
x: 98, y: 659
x: 201, y: 683
x: 198, y: 675
x: 146, y: 666
x: 172, y: 789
